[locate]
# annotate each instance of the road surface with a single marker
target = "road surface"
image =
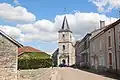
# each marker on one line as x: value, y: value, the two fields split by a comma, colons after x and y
x: 75, y: 74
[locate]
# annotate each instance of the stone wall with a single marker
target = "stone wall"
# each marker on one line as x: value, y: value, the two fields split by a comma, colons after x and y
x: 8, y: 59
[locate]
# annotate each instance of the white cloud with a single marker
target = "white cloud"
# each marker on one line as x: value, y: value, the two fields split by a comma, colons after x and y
x: 44, y: 25
x: 41, y: 30
x: 16, y: 2
x: 80, y: 23
x: 46, y: 30
x: 106, y: 5
x: 16, y: 14
x: 12, y: 31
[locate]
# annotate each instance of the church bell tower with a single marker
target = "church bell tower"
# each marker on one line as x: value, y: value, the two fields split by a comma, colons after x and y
x: 66, y: 48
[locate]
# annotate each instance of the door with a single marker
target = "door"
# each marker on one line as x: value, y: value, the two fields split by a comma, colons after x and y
x: 63, y: 61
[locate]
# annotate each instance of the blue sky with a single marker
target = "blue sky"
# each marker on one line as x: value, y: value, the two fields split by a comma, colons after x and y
x: 48, y: 9
x: 46, y: 17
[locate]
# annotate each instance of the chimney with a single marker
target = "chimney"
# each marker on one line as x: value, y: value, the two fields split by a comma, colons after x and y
x: 102, y: 24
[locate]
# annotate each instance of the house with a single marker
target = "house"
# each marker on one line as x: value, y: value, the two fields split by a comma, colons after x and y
x: 77, y: 55
x: 113, y: 46
x: 54, y: 57
x: 66, y: 53
x: 26, y: 49
x: 97, y: 51
x: 105, y: 48
x: 82, y: 48
x: 8, y: 57
x: 83, y: 52
x: 30, y: 52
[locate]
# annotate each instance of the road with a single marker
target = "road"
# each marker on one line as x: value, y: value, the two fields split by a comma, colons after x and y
x: 75, y: 74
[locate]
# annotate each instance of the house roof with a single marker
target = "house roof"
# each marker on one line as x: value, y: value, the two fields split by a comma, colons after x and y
x: 27, y: 49
x: 112, y: 25
x: 10, y: 39
x: 106, y: 28
x: 65, y: 26
x: 96, y: 32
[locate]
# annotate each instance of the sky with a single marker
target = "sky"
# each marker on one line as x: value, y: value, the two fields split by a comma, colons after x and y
x: 36, y: 22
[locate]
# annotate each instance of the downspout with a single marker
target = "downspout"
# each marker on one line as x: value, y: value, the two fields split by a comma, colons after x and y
x: 115, y: 50
x: 89, y: 53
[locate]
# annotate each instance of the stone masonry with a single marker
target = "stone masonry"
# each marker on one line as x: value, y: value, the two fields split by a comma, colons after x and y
x: 8, y: 59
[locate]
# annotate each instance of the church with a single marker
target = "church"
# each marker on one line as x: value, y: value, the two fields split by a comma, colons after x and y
x: 66, y: 49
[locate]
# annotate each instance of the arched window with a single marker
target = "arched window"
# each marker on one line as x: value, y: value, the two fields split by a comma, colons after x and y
x: 63, y: 47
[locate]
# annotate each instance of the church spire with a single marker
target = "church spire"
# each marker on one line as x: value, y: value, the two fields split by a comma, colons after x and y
x: 65, y: 23
x: 65, y: 26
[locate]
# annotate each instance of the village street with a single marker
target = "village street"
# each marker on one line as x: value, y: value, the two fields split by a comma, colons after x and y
x: 75, y: 74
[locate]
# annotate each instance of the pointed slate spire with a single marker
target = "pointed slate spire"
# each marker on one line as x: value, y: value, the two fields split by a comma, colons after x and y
x: 65, y: 26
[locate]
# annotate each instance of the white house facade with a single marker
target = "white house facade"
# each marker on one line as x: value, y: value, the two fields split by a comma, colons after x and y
x: 105, y: 48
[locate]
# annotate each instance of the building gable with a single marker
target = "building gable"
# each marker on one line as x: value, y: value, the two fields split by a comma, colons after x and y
x: 10, y: 39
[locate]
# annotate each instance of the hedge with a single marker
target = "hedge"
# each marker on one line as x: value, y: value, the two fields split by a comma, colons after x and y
x: 34, y: 63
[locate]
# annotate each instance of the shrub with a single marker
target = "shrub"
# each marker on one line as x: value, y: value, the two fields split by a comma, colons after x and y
x: 34, y: 63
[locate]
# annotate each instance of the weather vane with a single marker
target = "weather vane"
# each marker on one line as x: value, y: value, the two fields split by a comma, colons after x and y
x: 65, y: 10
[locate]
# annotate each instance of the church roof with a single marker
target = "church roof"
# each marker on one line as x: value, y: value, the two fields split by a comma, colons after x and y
x: 65, y: 26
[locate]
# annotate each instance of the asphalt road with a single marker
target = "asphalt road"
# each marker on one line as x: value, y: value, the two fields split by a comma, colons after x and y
x: 75, y: 74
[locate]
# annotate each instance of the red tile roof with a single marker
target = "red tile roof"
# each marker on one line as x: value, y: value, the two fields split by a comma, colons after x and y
x: 27, y: 49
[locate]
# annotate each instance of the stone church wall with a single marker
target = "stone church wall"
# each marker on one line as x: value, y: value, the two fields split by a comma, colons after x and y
x: 8, y: 59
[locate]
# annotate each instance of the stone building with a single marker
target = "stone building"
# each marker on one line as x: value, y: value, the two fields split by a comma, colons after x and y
x: 105, y: 48
x: 54, y: 57
x: 113, y: 46
x: 97, y: 51
x: 8, y: 57
x: 82, y: 51
x: 66, y: 53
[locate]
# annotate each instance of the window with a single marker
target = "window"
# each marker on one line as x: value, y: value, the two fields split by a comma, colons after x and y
x: 70, y: 36
x: 100, y: 45
x: 63, y: 47
x: 109, y: 41
x: 119, y: 37
x: 63, y: 35
x: 101, y: 60
x: 85, y: 45
x: 93, y: 48
x: 110, y: 58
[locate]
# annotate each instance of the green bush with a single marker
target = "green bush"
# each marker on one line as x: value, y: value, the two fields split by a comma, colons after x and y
x: 34, y: 63
x: 41, y: 55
